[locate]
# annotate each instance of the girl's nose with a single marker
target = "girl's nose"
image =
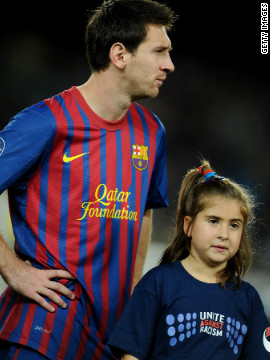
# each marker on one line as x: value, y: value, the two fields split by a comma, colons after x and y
x: 223, y: 232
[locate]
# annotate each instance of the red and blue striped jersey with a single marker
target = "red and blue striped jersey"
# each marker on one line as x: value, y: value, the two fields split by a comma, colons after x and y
x: 78, y: 188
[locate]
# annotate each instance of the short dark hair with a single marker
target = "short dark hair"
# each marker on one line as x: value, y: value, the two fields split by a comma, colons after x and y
x: 122, y: 21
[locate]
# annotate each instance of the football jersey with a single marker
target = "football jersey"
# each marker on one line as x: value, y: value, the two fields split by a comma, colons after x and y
x: 78, y: 187
x: 191, y: 320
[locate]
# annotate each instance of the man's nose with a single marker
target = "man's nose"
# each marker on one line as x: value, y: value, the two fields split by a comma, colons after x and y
x: 168, y: 65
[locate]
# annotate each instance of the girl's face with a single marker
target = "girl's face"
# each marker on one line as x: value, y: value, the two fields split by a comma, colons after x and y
x: 216, y: 232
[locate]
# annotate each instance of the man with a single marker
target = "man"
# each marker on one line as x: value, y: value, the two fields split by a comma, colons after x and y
x: 84, y: 170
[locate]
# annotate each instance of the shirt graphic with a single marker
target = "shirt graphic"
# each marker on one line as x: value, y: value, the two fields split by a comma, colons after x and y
x: 140, y: 157
x: 182, y: 326
x: 2, y: 146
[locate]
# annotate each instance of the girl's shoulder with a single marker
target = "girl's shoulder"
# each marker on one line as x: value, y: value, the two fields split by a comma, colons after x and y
x: 161, y: 271
x: 248, y: 296
x: 159, y: 275
x: 248, y: 288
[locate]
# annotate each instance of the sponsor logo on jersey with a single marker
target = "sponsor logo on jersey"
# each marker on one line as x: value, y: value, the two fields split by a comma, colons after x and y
x: 105, y: 205
x: 140, y: 156
x: 68, y: 159
x: 2, y: 146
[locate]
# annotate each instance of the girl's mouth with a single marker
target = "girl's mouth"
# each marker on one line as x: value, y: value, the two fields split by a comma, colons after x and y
x: 220, y: 248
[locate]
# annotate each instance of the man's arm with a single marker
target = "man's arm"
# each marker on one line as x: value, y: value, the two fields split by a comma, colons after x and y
x: 31, y: 282
x: 144, y: 240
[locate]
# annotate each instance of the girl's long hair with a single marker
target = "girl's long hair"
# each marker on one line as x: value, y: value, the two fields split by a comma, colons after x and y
x: 194, y: 196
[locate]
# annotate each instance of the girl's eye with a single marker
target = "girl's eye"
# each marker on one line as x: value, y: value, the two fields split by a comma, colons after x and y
x: 213, y: 221
x: 235, y: 225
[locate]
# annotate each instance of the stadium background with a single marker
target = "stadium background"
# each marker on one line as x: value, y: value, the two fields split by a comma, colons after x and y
x: 216, y: 103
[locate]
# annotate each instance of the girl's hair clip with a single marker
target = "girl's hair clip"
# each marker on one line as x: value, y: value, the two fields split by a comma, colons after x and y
x: 208, y: 174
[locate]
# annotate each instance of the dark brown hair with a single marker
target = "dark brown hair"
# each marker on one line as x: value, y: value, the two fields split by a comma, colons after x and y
x: 195, y: 195
x: 122, y: 21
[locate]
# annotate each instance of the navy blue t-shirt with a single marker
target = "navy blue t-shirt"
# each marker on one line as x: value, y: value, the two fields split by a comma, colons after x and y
x: 172, y: 315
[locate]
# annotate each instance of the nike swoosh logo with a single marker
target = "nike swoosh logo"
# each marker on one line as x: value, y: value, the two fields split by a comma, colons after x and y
x: 68, y: 159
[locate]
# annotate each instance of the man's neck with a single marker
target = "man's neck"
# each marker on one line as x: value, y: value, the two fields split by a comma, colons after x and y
x: 103, y: 95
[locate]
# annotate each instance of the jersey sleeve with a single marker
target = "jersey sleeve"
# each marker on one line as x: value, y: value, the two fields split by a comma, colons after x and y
x: 22, y: 142
x: 135, y: 330
x: 158, y: 190
x: 257, y: 339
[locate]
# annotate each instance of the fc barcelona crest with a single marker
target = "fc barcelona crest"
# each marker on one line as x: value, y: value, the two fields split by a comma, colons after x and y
x: 140, y: 157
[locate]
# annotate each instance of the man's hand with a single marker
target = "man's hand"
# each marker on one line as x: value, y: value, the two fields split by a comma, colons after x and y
x: 33, y: 283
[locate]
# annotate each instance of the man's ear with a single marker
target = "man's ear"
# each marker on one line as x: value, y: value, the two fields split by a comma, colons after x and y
x: 187, y: 226
x: 118, y: 54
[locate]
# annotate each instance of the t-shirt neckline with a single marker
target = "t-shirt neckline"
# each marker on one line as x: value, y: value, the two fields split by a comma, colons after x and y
x: 193, y: 279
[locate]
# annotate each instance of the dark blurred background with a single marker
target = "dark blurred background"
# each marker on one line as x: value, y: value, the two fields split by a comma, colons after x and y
x: 215, y: 104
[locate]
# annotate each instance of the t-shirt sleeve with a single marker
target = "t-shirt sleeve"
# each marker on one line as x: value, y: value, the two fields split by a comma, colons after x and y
x: 158, y: 190
x: 135, y: 331
x: 22, y: 142
x: 257, y: 340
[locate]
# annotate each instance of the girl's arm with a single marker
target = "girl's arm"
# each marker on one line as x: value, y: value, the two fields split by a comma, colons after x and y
x: 128, y: 357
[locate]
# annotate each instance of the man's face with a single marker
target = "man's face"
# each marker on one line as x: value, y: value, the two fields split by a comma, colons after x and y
x: 148, y: 66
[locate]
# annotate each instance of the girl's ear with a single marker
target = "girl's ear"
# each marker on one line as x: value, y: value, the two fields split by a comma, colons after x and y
x: 187, y: 226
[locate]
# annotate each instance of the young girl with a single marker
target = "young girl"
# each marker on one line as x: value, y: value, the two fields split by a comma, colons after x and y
x: 195, y: 305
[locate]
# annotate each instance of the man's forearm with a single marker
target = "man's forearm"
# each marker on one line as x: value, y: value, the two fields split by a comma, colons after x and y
x: 7, y: 258
x: 144, y: 240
